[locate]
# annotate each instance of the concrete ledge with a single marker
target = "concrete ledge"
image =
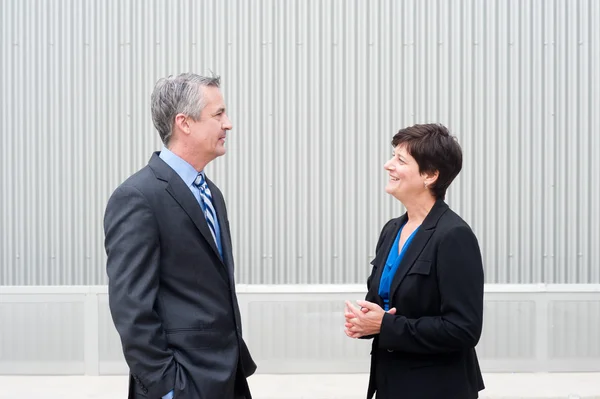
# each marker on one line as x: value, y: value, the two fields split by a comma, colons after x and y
x: 305, y: 386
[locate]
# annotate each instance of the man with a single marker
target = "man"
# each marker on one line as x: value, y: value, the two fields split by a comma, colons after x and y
x: 170, y: 264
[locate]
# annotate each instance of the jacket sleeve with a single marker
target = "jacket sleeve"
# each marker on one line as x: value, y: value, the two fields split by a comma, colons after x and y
x: 460, y: 281
x: 133, y: 267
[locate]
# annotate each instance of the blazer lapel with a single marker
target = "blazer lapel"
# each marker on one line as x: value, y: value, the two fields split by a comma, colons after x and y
x: 412, y: 252
x: 418, y: 243
x: 382, y: 255
x: 219, y: 204
x: 184, y: 197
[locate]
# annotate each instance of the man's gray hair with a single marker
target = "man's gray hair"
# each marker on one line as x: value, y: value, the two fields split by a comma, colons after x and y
x: 181, y: 94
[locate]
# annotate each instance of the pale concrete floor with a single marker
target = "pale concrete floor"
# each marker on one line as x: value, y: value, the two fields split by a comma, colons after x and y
x: 322, y: 386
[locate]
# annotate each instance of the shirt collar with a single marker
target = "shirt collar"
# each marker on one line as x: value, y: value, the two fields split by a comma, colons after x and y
x: 182, y: 168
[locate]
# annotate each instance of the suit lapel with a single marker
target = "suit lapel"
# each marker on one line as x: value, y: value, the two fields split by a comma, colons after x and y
x: 219, y: 204
x: 383, y: 253
x: 184, y: 197
x: 412, y: 252
x: 418, y: 243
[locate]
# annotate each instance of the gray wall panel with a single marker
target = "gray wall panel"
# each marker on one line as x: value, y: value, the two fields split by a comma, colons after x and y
x: 316, y: 89
x: 509, y: 330
x: 46, y: 337
x: 575, y: 329
x: 109, y: 344
x: 42, y: 334
x: 280, y: 336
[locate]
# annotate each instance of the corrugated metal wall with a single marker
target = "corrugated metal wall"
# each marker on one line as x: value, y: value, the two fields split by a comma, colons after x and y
x: 316, y: 89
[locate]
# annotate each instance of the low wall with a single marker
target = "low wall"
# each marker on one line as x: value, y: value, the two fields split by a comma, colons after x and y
x: 299, y: 329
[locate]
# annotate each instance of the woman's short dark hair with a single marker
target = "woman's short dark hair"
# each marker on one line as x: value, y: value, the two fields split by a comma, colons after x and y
x: 434, y: 149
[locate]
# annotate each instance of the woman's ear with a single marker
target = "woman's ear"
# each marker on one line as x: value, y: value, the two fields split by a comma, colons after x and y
x: 430, y: 178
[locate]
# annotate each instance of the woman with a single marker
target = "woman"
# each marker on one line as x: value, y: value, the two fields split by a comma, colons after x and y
x: 424, y: 305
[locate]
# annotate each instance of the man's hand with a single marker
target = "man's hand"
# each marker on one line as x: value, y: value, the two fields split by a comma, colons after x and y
x: 364, y: 321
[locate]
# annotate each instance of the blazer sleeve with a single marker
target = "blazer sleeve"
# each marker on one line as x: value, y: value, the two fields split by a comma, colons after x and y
x: 460, y: 281
x: 133, y: 267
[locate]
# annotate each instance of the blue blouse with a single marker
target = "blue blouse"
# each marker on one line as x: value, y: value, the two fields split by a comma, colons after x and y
x: 391, y: 266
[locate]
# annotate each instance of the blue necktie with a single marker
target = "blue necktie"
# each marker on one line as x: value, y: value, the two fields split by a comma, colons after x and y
x: 209, y: 211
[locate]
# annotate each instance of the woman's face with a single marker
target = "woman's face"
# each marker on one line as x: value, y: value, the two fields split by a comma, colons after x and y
x: 405, y: 181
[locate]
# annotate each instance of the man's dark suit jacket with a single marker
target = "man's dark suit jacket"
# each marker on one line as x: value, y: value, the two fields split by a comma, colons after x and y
x: 427, y: 350
x: 171, y: 297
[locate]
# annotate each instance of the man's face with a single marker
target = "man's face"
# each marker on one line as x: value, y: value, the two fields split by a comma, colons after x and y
x: 208, y: 134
